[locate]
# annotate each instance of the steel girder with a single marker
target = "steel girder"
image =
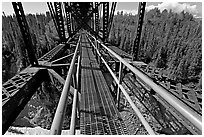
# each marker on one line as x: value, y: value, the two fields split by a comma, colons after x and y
x: 83, y: 22
x: 92, y: 16
x: 141, y: 12
x: 60, y: 21
x: 17, y: 92
x: 72, y: 18
x: 68, y: 16
x: 80, y: 20
x: 105, y: 20
x: 96, y: 17
x: 18, y: 8
x: 53, y: 15
x: 111, y: 16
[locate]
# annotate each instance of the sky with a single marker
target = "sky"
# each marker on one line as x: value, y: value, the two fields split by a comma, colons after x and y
x: 194, y: 8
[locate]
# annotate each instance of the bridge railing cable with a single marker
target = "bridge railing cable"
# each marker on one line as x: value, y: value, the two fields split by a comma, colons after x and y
x: 62, y: 105
x: 184, y: 110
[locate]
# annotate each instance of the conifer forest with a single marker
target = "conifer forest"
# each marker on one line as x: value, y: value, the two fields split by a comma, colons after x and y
x: 169, y: 40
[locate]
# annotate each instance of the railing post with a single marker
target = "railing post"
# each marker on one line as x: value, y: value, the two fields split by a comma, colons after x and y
x: 99, y: 60
x: 117, y: 66
x: 93, y: 50
x: 120, y: 79
x: 73, y: 116
x: 95, y: 42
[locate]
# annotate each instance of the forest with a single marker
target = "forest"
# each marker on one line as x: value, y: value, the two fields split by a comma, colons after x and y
x: 169, y: 40
x: 14, y: 56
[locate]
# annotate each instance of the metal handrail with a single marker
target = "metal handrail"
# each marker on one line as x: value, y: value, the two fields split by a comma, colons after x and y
x: 62, y: 105
x: 194, y: 118
x: 75, y: 101
x: 137, y: 111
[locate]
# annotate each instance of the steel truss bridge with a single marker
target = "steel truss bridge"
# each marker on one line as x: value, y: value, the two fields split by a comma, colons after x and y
x: 80, y: 56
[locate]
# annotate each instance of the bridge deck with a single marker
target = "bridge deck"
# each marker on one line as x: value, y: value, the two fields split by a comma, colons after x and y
x: 98, y: 113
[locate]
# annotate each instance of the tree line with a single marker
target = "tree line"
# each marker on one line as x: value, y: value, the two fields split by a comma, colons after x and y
x: 169, y: 40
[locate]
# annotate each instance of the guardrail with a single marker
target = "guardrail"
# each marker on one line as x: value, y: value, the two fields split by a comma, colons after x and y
x: 194, y: 118
x: 120, y: 87
x: 62, y: 105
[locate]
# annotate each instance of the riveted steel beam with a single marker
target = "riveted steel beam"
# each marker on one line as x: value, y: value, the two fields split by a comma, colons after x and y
x: 18, y: 8
x: 111, y: 17
x: 53, y: 15
x: 68, y: 16
x: 96, y: 18
x: 105, y: 20
x: 141, y: 12
x: 19, y: 90
x: 60, y: 21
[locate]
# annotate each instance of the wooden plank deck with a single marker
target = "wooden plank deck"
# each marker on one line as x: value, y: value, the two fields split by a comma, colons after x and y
x: 98, y: 113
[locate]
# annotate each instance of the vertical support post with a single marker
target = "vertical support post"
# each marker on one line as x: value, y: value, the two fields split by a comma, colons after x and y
x: 73, y: 116
x: 141, y: 12
x: 117, y: 66
x: 67, y: 10
x: 96, y: 18
x: 60, y: 21
x: 52, y: 12
x: 99, y: 59
x: 72, y: 19
x: 74, y: 106
x: 105, y: 20
x: 120, y: 80
x: 18, y: 8
x: 111, y: 17
x: 96, y: 44
x: 92, y: 15
x: 93, y: 19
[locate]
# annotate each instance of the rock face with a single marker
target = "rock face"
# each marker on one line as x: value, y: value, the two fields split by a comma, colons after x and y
x: 33, y: 131
x: 40, y: 110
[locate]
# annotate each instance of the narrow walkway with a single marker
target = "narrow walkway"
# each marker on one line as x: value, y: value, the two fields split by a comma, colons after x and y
x: 98, y: 113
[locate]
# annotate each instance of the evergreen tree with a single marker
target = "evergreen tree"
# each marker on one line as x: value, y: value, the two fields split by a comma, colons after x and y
x: 169, y: 40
